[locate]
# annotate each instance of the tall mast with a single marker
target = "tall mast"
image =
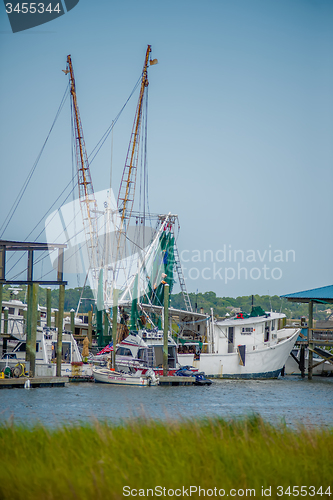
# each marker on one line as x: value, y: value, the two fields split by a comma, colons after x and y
x: 87, y: 198
x: 127, y: 186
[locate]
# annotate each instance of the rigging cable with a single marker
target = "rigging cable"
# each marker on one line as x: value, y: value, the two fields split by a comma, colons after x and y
x: 43, y: 228
x: 25, y: 185
x: 110, y: 128
x: 28, y: 179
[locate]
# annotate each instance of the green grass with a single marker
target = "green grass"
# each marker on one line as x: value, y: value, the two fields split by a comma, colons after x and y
x: 95, y: 461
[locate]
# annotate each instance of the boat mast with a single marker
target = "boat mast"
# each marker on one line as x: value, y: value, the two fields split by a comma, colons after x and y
x: 127, y: 186
x: 87, y: 198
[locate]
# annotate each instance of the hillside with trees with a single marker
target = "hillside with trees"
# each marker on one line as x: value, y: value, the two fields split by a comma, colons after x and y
x: 224, y: 305
x: 206, y: 301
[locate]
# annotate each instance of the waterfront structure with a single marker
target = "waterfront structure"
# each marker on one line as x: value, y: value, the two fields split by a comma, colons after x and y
x: 32, y: 296
x: 313, y: 339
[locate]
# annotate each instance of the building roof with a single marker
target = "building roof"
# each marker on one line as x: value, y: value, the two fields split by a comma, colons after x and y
x: 322, y: 294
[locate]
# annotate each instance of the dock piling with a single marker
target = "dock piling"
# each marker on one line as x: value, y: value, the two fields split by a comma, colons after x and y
x: 32, y: 316
x: 165, y: 329
x: 72, y: 321
x: 48, y: 307
x: 114, y: 326
x: 310, y: 327
x: 5, y: 320
x: 90, y: 327
x: 302, y: 361
x: 1, y: 288
x: 60, y: 326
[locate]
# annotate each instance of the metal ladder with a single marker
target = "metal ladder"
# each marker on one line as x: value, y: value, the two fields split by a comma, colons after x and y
x: 181, y: 279
x: 151, y: 357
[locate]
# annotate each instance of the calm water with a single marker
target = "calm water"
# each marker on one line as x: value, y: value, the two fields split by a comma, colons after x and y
x: 292, y: 399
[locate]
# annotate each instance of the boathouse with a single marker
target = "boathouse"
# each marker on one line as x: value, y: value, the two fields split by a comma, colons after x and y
x: 315, y: 339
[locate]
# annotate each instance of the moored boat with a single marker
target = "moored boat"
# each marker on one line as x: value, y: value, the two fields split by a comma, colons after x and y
x: 246, y: 346
x: 46, y: 355
x: 125, y: 375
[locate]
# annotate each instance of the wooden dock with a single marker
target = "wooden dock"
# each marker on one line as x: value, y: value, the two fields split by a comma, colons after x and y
x: 10, y: 383
x: 176, y: 380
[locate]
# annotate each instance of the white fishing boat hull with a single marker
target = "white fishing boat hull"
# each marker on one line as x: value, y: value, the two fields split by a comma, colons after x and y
x: 107, y: 376
x: 260, y: 363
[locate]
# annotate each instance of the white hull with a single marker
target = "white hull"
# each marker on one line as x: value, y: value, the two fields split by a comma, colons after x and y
x: 107, y: 376
x: 264, y: 362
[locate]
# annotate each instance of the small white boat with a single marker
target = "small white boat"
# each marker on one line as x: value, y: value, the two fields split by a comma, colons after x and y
x: 125, y: 375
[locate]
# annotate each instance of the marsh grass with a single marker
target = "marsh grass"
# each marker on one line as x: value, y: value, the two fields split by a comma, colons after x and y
x: 95, y: 460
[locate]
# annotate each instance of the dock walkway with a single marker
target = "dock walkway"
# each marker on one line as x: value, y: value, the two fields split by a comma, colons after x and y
x: 9, y: 383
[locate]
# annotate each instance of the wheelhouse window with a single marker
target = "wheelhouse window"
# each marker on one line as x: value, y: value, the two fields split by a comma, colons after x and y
x: 123, y: 351
x: 22, y: 347
x: 141, y: 354
x: 247, y: 330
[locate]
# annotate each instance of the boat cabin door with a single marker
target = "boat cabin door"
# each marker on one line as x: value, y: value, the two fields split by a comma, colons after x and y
x: 231, y: 339
x: 266, y: 337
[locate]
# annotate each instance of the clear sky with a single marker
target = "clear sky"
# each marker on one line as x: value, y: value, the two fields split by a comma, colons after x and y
x: 240, y: 128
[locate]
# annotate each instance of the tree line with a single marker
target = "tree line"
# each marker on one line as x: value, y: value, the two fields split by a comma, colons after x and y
x: 205, y: 301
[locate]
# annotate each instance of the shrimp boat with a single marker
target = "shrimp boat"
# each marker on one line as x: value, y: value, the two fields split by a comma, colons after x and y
x: 131, y: 256
x: 245, y: 346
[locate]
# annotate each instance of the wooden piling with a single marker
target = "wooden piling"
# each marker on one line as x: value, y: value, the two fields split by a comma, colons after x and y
x: 5, y: 328
x: 106, y: 324
x: 28, y: 324
x: 114, y: 326
x: 31, y: 327
x: 5, y: 320
x: 165, y: 330
x: 90, y: 327
x: 72, y: 321
x: 310, y: 344
x: 99, y: 327
x: 60, y: 326
x: 302, y: 361
x: 34, y: 320
x: 1, y: 290
x: 48, y: 307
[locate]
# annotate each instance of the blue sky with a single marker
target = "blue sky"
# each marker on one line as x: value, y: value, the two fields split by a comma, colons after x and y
x: 240, y: 127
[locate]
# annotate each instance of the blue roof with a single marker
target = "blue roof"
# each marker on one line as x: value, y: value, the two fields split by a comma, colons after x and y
x: 323, y: 293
